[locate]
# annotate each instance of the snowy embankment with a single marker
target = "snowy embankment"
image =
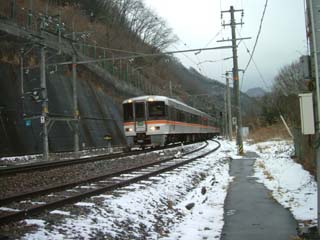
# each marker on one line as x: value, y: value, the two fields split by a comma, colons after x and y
x: 186, y: 203
x: 291, y: 185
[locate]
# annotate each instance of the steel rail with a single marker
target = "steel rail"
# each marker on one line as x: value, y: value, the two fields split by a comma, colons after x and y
x: 56, y: 188
x: 22, y: 168
x: 5, y: 219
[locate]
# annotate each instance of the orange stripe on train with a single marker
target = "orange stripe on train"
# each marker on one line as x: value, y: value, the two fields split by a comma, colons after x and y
x: 171, y: 123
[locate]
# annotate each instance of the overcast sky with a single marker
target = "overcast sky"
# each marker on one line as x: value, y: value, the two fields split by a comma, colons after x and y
x: 196, y: 22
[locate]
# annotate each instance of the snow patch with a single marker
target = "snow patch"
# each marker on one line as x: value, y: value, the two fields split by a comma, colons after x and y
x: 59, y: 212
x: 156, y: 209
x: 84, y: 204
x: 291, y: 185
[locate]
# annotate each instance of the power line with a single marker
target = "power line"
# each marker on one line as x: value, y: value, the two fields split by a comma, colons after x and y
x: 263, y: 80
x: 134, y: 56
x: 256, y: 66
x: 258, y: 35
x: 196, y: 53
x: 215, y: 36
x: 213, y: 61
x: 190, y: 59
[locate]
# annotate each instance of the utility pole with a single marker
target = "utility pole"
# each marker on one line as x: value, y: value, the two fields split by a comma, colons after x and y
x: 22, y: 74
x: 235, y: 72
x: 30, y: 13
x: 229, y: 115
x: 75, y: 100
x: 45, y: 111
x: 226, y: 132
x: 314, y: 39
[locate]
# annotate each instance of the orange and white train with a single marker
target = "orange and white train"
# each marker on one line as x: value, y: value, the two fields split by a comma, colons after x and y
x: 158, y: 120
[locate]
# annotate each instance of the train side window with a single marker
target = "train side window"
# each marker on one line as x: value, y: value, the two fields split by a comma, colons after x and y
x: 182, y: 116
x: 157, y: 110
x: 193, y: 118
x: 188, y: 117
x: 179, y: 115
x: 172, y: 113
x: 169, y: 109
x: 175, y: 114
x: 198, y: 119
x: 127, y: 112
x: 205, y: 121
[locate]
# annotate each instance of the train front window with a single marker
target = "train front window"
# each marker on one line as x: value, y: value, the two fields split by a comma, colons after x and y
x: 157, y: 110
x: 127, y: 112
x: 140, y: 113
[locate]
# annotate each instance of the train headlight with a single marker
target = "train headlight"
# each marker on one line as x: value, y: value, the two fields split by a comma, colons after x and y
x: 150, y: 99
x: 129, y: 101
x: 154, y: 128
x: 129, y: 130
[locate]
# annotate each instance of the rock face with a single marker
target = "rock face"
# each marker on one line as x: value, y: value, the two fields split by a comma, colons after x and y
x: 99, y: 113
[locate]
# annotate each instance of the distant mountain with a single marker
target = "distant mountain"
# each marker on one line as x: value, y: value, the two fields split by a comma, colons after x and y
x: 256, y: 92
x: 207, y: 94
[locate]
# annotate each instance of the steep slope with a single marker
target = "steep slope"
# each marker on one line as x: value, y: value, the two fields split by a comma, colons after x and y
x: 100, y: 114
x: 101, y: 86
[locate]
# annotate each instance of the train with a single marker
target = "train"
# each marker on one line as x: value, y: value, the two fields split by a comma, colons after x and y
x: 158, y: 121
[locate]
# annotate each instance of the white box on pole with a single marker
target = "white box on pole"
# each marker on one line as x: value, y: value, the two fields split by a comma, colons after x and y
x: 306, y: 113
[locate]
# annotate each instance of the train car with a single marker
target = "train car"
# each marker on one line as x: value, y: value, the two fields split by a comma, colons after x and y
x: 158, y: 120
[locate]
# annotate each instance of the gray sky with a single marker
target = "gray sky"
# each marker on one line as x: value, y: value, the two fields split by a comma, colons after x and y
x: 196, y: 22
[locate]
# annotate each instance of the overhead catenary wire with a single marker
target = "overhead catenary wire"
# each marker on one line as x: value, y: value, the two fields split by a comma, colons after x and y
x: 189, y: 58
x: 267, y: 87
x: 212, y: 39
x: 257, y: 37
x: 257, y: 68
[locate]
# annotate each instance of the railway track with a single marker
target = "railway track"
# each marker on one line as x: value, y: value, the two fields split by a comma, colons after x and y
x: 33, y: 203
x: 39, y: 166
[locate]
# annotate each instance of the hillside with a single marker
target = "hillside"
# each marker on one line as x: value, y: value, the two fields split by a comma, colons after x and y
x: 102, y: 85
x: 256, y: 92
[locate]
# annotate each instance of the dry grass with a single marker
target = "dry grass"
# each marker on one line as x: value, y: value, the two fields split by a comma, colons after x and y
x: 268, y: 175
x: 261, y: 165
x: 296, y: 238
x: 266, y: 133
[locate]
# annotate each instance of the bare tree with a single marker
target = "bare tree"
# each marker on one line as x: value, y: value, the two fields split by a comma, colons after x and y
x: 289, y: 80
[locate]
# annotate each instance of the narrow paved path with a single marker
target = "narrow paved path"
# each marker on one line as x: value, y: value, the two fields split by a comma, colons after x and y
x: 250, y: 211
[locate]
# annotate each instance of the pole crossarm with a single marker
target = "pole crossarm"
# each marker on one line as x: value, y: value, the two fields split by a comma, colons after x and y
x: 237, y: 39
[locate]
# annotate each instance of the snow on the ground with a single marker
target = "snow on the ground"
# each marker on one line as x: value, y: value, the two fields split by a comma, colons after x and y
x: 156, y: 208
x: 5, y: 209
x: 186, y: 203
x: 291, y: 185
x: 84, y: 204
x: 59, y: 212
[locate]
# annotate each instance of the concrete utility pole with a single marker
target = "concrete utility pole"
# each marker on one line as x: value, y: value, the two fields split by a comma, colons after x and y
x: 229, y: 115
x: 22, y: 74
x: 314, y: 39
x: 235, y: 72
x: 30, y: 13
x: 226, y: 132
x: 45, y: 111
x: 75, y: 101
x: 236, y: 82
x: 75, y: 104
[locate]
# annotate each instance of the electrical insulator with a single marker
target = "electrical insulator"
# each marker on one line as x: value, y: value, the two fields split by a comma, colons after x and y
x: 35, y: 96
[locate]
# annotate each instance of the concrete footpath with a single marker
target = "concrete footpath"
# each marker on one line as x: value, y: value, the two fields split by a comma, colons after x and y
x: 250, y: 211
